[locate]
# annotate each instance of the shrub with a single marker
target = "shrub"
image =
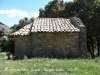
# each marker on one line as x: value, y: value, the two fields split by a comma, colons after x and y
x: 10, y: 45
x: 2, y: 44
x: 7, y: 45
x: 0, y: 49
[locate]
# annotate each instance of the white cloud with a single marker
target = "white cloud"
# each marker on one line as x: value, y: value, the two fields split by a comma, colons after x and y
x: 14, y: 13
x: 34, y: 14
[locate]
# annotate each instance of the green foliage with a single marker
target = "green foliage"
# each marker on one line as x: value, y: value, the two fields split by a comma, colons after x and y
x: 10, y: 45
x: 7, y: 45
x: 90, y: 17
x: 2, y: 23
x: 53, y: 9
x: 0, y: 49
x: 10, y: 32
x: 22, y: 23
x: 2, y: 44
x: 25, y: 58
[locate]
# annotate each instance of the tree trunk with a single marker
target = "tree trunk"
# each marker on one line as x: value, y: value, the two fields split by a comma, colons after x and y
x: 98, y: 46
x: 92, y: 54
x: 90, y: 47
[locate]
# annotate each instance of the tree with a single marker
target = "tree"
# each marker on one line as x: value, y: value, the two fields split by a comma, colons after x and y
x: 22, y: 23
x: 89, y: 16
x: 52, y: 9
x: 31, y: 20
x: 2, y: 44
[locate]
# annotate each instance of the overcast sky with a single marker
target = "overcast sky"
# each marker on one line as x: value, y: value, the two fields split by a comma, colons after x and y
x: 13, y: 10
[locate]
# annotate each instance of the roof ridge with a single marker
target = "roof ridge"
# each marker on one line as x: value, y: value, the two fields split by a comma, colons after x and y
x: 31, y: 27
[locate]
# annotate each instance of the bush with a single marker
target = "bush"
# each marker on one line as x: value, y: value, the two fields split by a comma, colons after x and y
x: 10, y: 45
x: 2, y: 44
x: 0, y: 50
x: 7, y: 45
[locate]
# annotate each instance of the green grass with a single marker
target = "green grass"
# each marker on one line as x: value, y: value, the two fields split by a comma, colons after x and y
x: 50, y: 66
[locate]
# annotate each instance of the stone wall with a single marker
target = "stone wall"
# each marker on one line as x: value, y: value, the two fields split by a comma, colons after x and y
x: 83, y: 42
x: 82, y: 36
x: 23, y: 46
x: 55, y: 44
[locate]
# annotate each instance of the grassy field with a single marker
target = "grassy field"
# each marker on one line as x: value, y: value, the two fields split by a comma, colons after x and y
x: 49, y: 66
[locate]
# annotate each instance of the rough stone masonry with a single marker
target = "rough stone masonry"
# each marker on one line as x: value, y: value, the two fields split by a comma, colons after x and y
x: 52, y: 37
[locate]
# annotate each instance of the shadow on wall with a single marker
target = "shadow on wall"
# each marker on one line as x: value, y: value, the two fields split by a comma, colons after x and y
x: 38, y: 52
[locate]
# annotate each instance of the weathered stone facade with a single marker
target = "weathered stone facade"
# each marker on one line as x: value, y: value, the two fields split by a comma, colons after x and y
x: 23, y: 46
x: 53, y: 44
x: 82, y: 36
x: 49, y: 44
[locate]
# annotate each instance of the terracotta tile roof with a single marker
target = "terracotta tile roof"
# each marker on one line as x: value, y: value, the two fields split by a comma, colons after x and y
x: 48, y: 25
x: 23, y: 31
x: 53, y: 25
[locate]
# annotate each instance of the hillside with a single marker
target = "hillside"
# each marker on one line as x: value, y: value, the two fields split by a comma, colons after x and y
x: 3, y: 29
